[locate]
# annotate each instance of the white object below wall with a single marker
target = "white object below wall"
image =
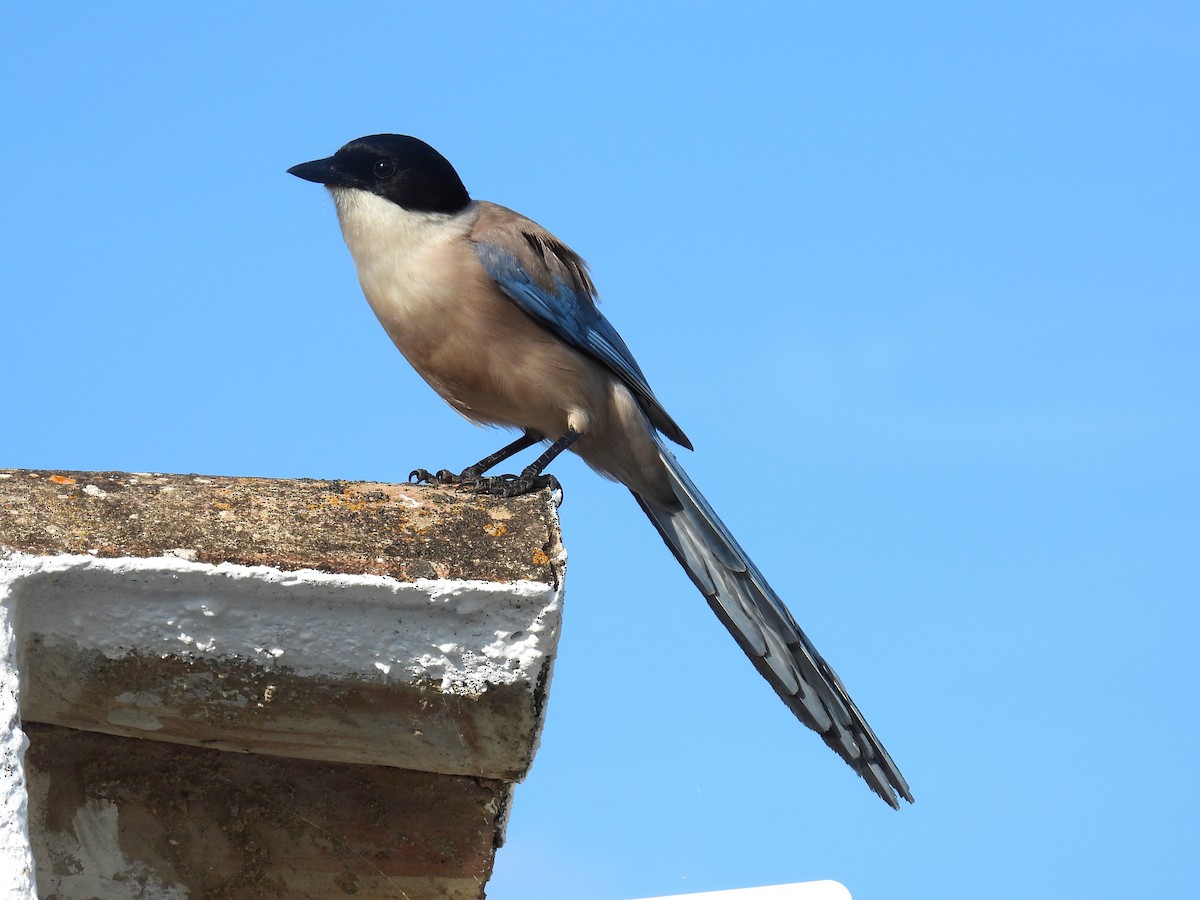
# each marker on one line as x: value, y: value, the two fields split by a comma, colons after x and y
x: 807, y: 890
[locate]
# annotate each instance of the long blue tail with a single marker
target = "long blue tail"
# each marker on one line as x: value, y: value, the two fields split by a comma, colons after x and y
x: 766, y: 631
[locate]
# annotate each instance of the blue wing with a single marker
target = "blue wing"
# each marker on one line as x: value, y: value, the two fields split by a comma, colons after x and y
x: 570, y: 312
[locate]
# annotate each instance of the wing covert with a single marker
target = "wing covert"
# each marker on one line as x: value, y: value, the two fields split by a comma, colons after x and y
x: 564, y: 302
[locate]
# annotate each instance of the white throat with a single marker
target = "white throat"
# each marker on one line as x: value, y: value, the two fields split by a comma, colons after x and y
x: 371, y: 224
x: 400, y: 254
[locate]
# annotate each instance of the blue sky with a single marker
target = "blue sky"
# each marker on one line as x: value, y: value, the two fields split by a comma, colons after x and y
x: 919, y: 281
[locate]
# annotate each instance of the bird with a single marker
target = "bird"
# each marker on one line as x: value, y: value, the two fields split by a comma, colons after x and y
x: 500, y: 318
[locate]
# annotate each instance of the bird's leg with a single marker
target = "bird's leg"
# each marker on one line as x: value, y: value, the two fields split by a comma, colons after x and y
x: 531, y: 477
x: 468, y: 476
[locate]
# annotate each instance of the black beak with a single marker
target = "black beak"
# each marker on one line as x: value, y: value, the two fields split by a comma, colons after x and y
x: 319, y: 170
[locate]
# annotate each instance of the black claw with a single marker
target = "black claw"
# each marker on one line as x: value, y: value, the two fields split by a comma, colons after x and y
x: 492, y: 485
x: 440, y: 477
x: 511, y: 485
x: 531, y: 478
x: 487, y: 484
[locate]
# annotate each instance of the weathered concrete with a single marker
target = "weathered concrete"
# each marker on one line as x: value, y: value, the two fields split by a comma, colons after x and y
x: 387, y: 644
x: 120, y: 818
x: 400, y: 530
x: 438, y: 676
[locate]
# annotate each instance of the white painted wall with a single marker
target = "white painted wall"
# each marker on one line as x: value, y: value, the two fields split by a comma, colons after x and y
x: 16, y: 856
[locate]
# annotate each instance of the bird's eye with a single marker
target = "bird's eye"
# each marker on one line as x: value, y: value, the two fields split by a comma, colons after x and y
x: 385, y: 168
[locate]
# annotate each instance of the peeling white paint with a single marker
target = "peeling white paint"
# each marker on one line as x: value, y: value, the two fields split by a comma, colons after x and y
x: 100, y: 869
x: 307, y: 621
x: 16, y: 856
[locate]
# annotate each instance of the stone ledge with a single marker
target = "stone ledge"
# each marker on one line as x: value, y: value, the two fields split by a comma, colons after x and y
x: 378, y: 631
x: 399, y: 530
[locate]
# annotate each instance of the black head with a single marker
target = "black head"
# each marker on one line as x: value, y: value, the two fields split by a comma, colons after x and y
x: 397, y: 167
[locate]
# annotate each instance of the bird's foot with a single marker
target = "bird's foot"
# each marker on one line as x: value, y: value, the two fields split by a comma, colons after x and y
x: 510, y: 485
x: 440, y: 477
x: 473, y: 482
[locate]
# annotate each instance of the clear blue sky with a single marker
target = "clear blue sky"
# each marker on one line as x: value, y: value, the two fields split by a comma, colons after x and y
x: 919, y: 280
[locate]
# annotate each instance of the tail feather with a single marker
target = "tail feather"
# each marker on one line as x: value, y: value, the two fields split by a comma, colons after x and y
x: 766, y: 631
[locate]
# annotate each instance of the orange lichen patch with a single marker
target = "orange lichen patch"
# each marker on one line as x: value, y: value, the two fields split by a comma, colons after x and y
x: 540, y: 558
x: 62, y: 479
x: 345, y: 500
x: 404, y: 531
